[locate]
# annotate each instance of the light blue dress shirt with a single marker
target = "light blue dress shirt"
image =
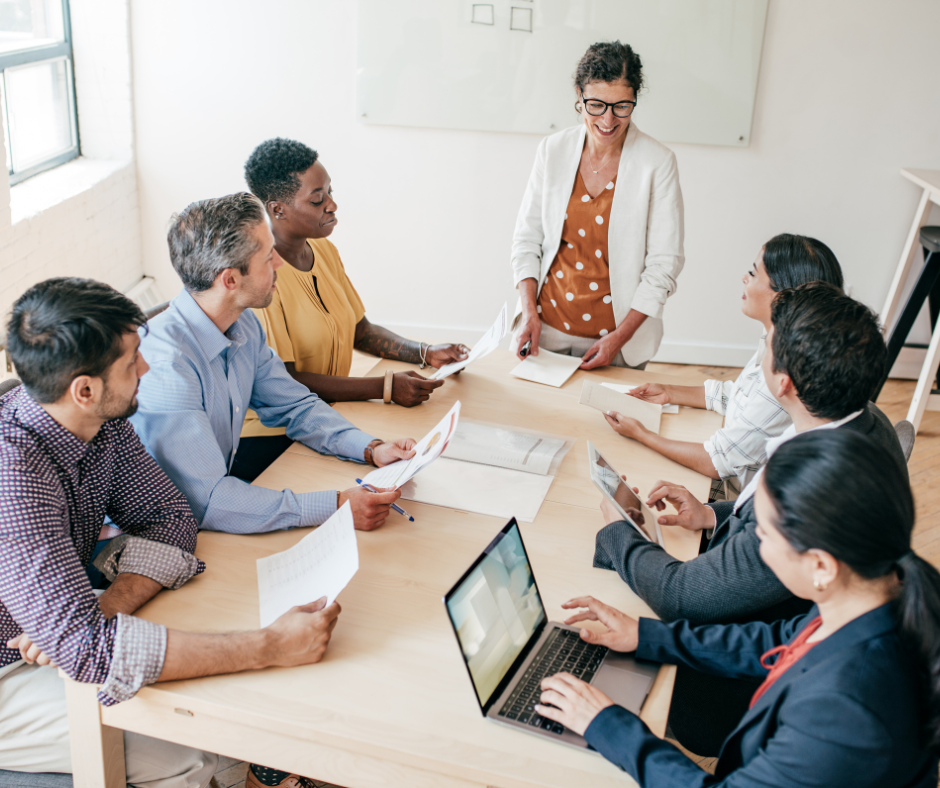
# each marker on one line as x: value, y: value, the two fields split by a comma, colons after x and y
x: 192, y: 406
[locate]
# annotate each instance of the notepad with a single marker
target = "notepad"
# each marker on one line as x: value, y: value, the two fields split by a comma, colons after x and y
x: 606, y: 399
x: 667, y: 408
x: 487, y: 344
x: 319, y: 565
x: 551, y: 369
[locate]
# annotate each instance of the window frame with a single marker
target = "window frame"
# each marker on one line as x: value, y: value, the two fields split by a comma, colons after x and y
x: 38, y: 54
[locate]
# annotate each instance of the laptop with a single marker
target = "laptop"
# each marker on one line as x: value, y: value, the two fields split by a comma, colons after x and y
x: 621, y: 496
x: 508, y: 644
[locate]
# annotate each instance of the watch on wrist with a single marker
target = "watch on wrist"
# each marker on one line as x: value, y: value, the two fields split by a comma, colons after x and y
x: 368, y: 455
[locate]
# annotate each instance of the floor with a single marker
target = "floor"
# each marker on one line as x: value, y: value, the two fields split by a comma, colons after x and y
x: 923, y: 466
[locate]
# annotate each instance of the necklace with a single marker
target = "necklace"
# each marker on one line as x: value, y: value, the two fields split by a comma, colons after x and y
x: 591, y: 160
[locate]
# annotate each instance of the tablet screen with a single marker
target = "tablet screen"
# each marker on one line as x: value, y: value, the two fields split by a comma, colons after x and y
x: 609, y: 480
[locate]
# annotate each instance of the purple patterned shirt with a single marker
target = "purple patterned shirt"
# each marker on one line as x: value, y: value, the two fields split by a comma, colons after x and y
x: 55, y: 491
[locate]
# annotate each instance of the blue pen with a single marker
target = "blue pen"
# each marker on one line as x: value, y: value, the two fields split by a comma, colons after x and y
x: 395, y: 506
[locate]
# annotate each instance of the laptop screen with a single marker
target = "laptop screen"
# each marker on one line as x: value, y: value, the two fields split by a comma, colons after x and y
x: 495, y: 609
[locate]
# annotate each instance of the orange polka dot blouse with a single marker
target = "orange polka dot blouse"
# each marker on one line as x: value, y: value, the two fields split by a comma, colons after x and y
x: 575, y: 297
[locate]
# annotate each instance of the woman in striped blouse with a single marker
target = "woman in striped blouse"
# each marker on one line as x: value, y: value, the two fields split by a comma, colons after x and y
x: 736, y: 451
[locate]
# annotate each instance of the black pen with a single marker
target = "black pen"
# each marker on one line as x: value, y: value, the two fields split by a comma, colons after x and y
x: 524, y: 350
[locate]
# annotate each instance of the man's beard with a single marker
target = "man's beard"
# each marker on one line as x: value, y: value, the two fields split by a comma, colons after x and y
x: 111, y: 408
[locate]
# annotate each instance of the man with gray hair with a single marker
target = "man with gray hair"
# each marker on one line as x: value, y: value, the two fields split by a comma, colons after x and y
x: 209, y: 363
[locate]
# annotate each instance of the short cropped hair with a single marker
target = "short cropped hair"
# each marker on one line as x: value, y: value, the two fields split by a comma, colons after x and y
x: 272, y: 169
x: 208, y: 236
x: 793, y: 260
x: 609, y: 61
x: 831, y: 347
x: 66, y: 327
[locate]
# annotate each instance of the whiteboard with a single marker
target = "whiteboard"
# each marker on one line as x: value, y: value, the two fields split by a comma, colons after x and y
x: 507, y: 65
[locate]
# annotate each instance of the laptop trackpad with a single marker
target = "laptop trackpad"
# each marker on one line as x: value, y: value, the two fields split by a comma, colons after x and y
x: 625, y: 681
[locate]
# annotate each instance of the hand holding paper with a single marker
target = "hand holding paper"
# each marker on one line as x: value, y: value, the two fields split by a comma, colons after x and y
x: 321, y: 564
x: 487, y: 344
x: 605, y: 400
x: 667, y: 407
x: 552, y: 369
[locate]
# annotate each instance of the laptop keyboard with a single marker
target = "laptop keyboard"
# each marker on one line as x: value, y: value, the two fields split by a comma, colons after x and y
x: 563, y: 651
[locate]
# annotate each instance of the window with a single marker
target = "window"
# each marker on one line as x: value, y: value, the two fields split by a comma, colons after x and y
x: 37, y: 93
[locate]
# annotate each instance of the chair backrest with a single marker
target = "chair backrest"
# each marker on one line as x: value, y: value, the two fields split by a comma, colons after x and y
x: 6, y: 385
x: 906, y: 434
x: 155, y: 310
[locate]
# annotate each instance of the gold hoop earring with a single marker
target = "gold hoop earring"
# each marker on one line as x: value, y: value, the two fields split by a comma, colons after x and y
x: 819, y: 586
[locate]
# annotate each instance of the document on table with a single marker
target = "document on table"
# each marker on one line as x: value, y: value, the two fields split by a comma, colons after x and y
x: 485, y: 489
x: 505, y: 448
x: 667, y: 408
x: 487, y: 344
x: 430, y: 447
x: 321, y: 564
x: 605, y: 399
x: 552, y: 369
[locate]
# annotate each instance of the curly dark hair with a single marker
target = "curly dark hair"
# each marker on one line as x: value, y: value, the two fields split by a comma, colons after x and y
x: 831, y: 347
x: 271, y: 170
x: 608, y: 61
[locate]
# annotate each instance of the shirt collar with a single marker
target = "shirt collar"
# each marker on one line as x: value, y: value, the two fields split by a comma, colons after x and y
x: 212, y: 341
x: 66, y: 448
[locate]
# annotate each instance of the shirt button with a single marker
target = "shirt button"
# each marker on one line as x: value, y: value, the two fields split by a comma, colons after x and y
x: 238, y: 410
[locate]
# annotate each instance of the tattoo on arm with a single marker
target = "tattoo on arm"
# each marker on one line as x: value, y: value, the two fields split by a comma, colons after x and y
x: 383, y: 343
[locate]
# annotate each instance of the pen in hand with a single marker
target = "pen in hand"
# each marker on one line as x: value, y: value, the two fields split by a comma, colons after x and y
x: 395, y: 506
x: 524, y: 350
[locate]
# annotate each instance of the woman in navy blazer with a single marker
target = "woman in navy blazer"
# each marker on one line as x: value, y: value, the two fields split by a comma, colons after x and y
x: 857, y: 702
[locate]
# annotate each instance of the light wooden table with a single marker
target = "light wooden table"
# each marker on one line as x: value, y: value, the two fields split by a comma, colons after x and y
x: 924, y: 398
x: 391, y: 704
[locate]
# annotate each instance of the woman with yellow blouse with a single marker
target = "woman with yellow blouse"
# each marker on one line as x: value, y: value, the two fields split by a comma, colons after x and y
x: 316, y: 317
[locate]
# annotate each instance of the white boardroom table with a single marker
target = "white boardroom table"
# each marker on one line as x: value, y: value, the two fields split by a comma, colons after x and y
x: 391, y: 703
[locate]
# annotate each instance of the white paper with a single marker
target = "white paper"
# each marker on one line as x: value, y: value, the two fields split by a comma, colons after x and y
x: 604, y: 399
x: 491, y: 445
x: 552, y: 369
x: 489, y: 342
x: 321, y: 564
x: 484, y: 489
x: 667, y: 408
x: 429, y: 448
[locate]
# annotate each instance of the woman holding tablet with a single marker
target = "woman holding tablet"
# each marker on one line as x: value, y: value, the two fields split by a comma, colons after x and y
x: 598, y: 240
x: 752, y: 416
x: 851, y: 691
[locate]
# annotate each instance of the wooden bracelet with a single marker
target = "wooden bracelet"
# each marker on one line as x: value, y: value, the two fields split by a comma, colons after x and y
x: 387, y: 391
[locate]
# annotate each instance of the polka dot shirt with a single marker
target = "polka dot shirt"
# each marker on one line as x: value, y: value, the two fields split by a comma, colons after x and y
x: 575, y: 297
x: 55, y: 491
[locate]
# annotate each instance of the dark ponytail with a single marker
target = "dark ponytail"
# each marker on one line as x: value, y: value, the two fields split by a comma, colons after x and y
x: 838, y: 491
x: 794, y: 260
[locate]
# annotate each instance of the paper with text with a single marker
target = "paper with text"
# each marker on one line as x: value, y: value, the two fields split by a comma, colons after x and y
x: 430, y: 447
x: 605, y: 399
x: 321, y: 564
x: 487, y: 344
x: 623, y: 389
x: 551, y: 369
x: 492, y: 445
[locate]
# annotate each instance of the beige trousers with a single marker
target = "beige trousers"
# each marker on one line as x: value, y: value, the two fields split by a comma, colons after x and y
x: 568, y: 345
x: 34, y: 735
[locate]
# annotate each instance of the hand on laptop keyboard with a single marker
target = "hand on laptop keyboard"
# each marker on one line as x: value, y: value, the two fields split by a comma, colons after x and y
x: 622, y: 632
x: 570, y: 702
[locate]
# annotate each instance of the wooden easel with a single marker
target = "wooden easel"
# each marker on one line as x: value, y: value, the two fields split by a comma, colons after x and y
x: 924, y: 397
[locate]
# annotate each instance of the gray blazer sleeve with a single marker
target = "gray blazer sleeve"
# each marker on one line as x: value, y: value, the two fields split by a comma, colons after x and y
x: 723, y: 584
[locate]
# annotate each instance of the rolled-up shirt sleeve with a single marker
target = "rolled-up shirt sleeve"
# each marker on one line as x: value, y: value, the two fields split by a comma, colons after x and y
x: 717, y: 393
x: 665, y: 231
x: 167, y: 564
x: 44, y: 588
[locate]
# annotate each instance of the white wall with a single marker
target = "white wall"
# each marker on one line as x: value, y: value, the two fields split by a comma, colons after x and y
x: 846, y: 97
x: 82, y: 218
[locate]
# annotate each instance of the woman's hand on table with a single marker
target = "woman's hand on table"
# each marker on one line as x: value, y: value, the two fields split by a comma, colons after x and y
x: 387, y: 453
x: 651, y: 392
x: 691, y: 513
x: 622, y: 632
x: 301, y: 635
x: 531, y: 331
x: 410, y: 388
x: 439, y: 355
x: 602, y: 353
x: 626, y: 425
x: 574, y: 703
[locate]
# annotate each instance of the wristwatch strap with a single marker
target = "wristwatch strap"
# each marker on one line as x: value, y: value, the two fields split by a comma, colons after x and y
x: 367, y: 455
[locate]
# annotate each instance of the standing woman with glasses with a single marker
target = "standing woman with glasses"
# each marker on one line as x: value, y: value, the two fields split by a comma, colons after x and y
x: 598, y: 241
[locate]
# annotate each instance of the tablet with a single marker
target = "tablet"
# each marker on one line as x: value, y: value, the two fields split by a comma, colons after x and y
x: 621, y: 496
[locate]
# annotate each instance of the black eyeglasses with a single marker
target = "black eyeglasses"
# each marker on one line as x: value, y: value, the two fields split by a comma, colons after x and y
x: 596, y: 107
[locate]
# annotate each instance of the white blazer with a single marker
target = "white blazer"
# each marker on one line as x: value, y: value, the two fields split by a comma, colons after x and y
x: 644, y: 236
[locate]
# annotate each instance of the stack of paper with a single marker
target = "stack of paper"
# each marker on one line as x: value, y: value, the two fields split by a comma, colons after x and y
x: 486, y: 345
x: 552, y: 369
x: 606, y: 399
x: 667, y: 408
x: 321, y: 564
